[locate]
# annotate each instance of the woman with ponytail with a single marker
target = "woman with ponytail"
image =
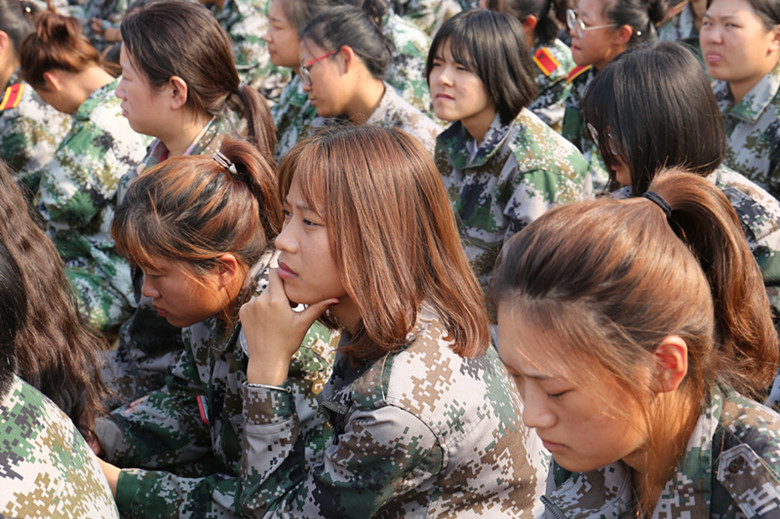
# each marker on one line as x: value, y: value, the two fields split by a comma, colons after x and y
x: 199, y: 227
x: 639, y: 334
x: 77, y: 188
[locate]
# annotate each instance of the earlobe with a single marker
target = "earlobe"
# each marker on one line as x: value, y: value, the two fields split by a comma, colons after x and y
x: 53, y: 80
x: 624, y: 34
x: 227, y: 268
x: 178, y: 92
x: 529, y: 24
x: 348, y: 56
x: 4, y: 42
x: 671, y: 363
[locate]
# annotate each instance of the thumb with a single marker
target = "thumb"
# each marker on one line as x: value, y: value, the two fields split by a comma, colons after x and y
x: 313, y: 311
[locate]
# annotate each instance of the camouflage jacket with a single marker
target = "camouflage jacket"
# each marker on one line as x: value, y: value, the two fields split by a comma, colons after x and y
x: 246, y: 21
x: 552, y: 65
x: 420, y: 432
x: 574, y: 127
x: 394, y: 112
x: 148, y: 344
x: 730, y: 470
x: 519, y: 172
x: 292, y: 115
x: 77, y: 198
x: 187, y: 436
x: 753, y: 131
x: 110, y: 11
x: 30, y: 130
x: 428, y: 15
x: 681, y: 28
x: 407, y: 71
x: 47, y: 470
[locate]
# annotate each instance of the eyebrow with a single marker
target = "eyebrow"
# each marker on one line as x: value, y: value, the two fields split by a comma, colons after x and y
x: 300, y: 205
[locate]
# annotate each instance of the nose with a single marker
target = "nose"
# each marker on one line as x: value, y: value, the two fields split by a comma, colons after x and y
x: 285, y: 240
x: 267, y: 36
x: 148, y: 289
x: 306, y: 85
x: 120, y: 90
x: 536, y: 413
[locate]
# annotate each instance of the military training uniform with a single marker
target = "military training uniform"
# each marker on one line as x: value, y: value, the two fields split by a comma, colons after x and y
x: 552, y: 64
x: 47, y: 470
x: 428, y: 15
x: 77, y: 200
x: 419, y: 432
x: 407, y: 68
x: 187, y: 436
x: 753, y: 130
x: 292, y: 116
x: 730, y: 469
x: 520, y: 170
x: 681, y: 28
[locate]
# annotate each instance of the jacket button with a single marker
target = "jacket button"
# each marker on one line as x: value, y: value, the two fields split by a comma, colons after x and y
x: 737, y: 465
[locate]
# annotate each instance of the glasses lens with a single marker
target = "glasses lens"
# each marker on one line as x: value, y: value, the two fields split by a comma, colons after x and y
x: 576, y: 26
x: 611, y: 143
x: 305, y: 77
x: 593, y: 133
x: 571, y: 19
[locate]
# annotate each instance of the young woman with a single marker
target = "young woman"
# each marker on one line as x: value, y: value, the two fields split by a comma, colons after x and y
x: 29, y: 128
x: 345, y: 57
x: 551, y: 57
x: 48, y: 469
x: 503, y: 167
x: 676, y: 125
x: 185, y: 92
x: 633, y: 349
x: 198, y: 227
x: 600, y: 31
x: 418, y: 402
x: 740, y: 40
x: 77, y: 188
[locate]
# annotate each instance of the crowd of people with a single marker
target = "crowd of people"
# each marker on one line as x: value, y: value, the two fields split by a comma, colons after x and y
x: 390, y: 258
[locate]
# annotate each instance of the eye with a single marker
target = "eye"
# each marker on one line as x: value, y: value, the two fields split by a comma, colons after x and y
x: 286, y: 214
x: 309, y: 223
x: 556, y: 395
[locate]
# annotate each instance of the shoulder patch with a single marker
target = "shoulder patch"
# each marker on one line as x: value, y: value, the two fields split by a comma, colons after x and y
x: 12, y: 96
x: 577, y: 72
x: 546, y: 61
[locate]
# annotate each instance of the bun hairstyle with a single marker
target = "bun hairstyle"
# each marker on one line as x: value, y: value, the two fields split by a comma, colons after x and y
x: 641, y: 15
x: 194, y: 209
x: 546, y: 30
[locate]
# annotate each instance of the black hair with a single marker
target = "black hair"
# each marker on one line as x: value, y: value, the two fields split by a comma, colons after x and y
x: 301, y: 12
x: 348, y: 25
x: 656, y: 104
x: 546, y: 30
x: 16, y: 21
x: 13, y: 313
x: 768, y: 11
x: 492, y: 46
x: 641, y: 15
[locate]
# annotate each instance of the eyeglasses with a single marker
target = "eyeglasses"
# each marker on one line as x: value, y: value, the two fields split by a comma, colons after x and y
x: 594, y: 134
x: 578, y: 27
x: 304, y: 71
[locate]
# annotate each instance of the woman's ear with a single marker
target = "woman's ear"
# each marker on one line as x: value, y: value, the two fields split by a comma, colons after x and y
x: 529, y: 24
x: 5, y: 43
x: 348, y: 55
x: 227, y: 269
x: 54, y: 82
x: 178, y: 92
x: 671, y: 363
x: 623, y: 35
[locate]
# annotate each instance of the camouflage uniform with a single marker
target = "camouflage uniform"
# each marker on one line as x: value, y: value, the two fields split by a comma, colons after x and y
x: 753, y: 130
x: 246, y: 21
x: 292, y: 115
x: 681, y: 28
x: 394, y: 112
x: 519, y: 172
x: 553, y: 63
x: 428, y: 15
x: 77, y: 199
x: 575, y: 131
x: 47, y: 470
x: 148, y: 344
x: 110, y: 11
x: 30, y: 131
x: 187, y: 436
x: 407, y: 71
x: 420, y: 432
x: 729, y: 470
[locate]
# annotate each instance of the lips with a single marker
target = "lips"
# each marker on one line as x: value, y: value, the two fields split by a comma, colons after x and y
x: 285, y: 272
x: 713, y: 57
x: 552, y: 446
x: 160, y: 311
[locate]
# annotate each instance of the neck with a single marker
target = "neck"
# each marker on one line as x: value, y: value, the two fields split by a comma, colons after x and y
x: 347, y: 314
x: 8, y: 71
x: 739, y: 89
x: 366, y: 100
x: 478, y: 125
x: 183, y: 132
x: 89, y: 80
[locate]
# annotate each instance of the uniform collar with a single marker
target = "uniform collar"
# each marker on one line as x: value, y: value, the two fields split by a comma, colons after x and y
x: 756, y: 101
x: 454, y: 137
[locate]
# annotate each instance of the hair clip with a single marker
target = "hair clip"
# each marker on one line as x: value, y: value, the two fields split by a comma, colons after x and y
x: 225, y: 162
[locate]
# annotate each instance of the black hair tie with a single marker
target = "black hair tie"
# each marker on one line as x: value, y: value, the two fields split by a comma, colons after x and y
x: 659, y: 201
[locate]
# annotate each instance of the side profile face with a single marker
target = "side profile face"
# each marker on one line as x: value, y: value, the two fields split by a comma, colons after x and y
x: 736, y: 45
x: 144, y: 106
x: 282, y: 38
x: 597, y: 46
x: 582, y: 431
x: 329, y: 90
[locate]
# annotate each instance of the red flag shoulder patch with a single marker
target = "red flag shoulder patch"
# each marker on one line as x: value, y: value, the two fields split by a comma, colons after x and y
x: 12, y: 96
x: 546, y: 61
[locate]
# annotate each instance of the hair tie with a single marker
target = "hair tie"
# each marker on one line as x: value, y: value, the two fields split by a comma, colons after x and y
x: 225, y: 162
x: 660, y: 202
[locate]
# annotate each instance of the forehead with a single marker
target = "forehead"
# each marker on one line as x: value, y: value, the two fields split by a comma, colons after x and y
x: 310, y: 50
x: 730, y: 8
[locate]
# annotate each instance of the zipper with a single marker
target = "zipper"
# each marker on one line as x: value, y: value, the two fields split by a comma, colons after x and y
x: 552, y: 508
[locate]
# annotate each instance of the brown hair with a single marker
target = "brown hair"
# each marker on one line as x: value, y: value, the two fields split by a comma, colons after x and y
x: 56, y: 44
x: 194, y: 210
x: 405, y: 250
x: 55, y: 349
x: 626, y: 277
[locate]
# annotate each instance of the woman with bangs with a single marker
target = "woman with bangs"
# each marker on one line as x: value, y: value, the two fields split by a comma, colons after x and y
x: 199, y: 229
x: 421, y: 409
x: 639, y: 335
x: 502, y: 165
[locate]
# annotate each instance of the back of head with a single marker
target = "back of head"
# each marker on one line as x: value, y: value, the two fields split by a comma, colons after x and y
x: 194, y: 209
x: 336, y: 27
x: 13, y: 306
x: 546, y: 29
x: 392, y: 234
x: 15, y: 21
x: 655, y: 103
x: 57, y: 43
x: 301, y: 12
x: 492, y: 46
x: 641, y: 15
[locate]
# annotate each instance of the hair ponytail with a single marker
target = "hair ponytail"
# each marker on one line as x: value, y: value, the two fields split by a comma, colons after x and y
x: 546, y: 29
x: 261, y: 130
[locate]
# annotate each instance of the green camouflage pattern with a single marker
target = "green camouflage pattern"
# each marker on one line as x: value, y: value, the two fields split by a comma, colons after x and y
x: 395, y: 112
x: 575, y: 131
x: 407, y: 71
x: 520, y: 171
x: 187, y: 436
x: 246, y: 21
x: 553, y: 88
x: 47, y: 470
x: 682, y: 29
x: 111, y: 11
x: 420, y: 432
x: 148, y: 344
x: 730, y: 470
x: 293, y: 115
x: 77, y: 198
x: 753, y: 130
x: 30, y: 133
x: 428, y: 15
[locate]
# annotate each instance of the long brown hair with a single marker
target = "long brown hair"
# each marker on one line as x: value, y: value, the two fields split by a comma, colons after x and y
x: 392, y: 233
x: 55, y: 350
x: 625, y: 276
